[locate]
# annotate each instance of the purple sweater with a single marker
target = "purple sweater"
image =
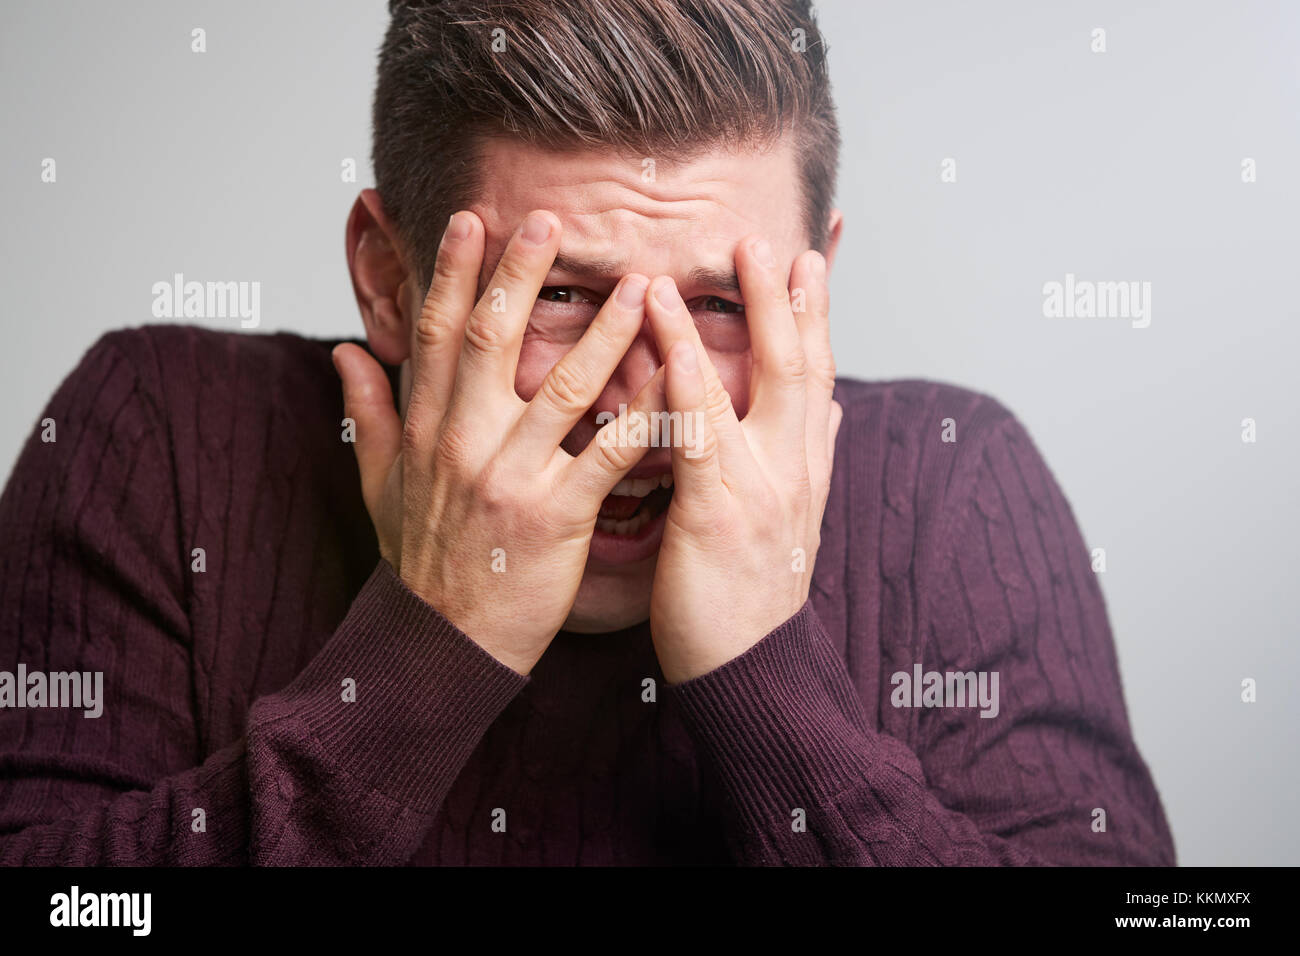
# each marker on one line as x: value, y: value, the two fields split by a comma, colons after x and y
x: 225, y: 690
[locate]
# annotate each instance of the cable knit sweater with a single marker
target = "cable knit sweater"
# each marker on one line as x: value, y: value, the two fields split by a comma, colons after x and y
x: 316, y: 711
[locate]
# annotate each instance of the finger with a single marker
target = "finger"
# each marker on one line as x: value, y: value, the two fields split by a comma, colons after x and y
x: 821, y: 493
x: 672, y: 323
x: 576, y: 380
x: 810, y: 303
x: 368, y: 401
x: 836, y: 419
x: 697, y: 475
x: 777, y: 403
x: 441, y: 324
x: 489, y: 354
x: 613, y: 451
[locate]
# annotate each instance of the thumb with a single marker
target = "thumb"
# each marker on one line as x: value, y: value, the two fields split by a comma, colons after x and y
x: 368, y: 401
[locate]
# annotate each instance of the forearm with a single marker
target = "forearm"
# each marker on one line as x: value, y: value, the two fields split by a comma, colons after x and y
x: 807, y: 781
x: 347, y: 765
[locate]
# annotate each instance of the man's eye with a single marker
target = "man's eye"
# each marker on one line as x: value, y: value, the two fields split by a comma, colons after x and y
x: 561, y: 293
x: 715, y: 303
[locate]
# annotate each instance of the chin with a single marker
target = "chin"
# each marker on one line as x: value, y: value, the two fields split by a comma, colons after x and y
x: 612, y: 598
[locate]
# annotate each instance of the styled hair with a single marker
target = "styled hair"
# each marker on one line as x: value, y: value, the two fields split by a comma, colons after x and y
x: 651, y: 77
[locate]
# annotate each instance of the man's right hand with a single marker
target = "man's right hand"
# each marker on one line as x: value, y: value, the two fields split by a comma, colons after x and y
x: 474, y: 468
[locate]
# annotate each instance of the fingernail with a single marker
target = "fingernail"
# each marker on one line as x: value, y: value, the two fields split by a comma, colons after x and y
x: 819, y: 266
x: 457, y: 227
x: 536, y: 229
x: 666, y: 293
x: 687, y: 358
x: 763, y: 254
x: 632, y: 292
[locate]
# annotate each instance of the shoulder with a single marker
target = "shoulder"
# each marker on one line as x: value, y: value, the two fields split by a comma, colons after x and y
x: 172, y: 361
x: 257, y: 401
x: 196, y: 378
x: 917, y: 409
x: 917, y: 455
x: 924, y: 435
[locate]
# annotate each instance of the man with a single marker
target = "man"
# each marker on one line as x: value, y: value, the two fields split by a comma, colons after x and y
x: 825, y: 622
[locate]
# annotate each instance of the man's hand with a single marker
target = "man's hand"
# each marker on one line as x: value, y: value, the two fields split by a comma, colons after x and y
x: 475, y: 504
x: 745, y: 520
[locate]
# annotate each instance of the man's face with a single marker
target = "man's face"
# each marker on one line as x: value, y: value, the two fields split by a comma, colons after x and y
x: 622, y: 215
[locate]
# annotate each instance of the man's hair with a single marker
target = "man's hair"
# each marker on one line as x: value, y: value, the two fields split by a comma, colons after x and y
x: 670, y: 78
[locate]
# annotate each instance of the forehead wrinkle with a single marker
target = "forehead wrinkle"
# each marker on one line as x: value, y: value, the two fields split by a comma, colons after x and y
x: 605, y: 213
x: 639, y: 205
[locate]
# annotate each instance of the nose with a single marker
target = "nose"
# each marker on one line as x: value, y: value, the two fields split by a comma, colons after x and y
x: 638, y: 366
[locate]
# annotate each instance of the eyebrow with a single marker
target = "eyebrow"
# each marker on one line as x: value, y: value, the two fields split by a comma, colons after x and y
x: 608, y: 268
x: 725, y: 279
x: 595, y: 267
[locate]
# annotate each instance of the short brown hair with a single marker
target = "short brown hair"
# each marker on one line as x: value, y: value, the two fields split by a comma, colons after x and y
x: 644, y: 76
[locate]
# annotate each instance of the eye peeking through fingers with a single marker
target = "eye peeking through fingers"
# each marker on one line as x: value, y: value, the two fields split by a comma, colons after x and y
x: 721, y: 323
x: 716, y: 303
x: 568, y: 295
x: 563, y: 312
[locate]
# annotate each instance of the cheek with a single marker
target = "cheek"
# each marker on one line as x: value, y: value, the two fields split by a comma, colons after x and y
x: 536, y: 359
x: 733, y: 369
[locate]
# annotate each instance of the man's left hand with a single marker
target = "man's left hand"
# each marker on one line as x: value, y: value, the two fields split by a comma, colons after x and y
x: 744, y: 524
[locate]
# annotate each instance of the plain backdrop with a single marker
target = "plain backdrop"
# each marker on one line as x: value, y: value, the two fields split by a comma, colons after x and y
x: 1122, y: 165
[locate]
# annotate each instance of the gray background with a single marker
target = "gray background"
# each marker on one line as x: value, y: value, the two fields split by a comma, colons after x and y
x: 1116, y: 166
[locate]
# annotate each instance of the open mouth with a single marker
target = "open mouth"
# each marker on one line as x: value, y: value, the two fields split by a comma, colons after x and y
x: 633, y: 504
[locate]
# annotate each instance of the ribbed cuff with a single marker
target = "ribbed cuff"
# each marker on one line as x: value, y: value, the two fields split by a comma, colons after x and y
x: 773, y: 722
x: 425, y: 693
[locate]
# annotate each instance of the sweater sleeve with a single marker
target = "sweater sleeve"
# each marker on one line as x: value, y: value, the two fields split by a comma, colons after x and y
x: 346, y: 765
x: 1054, y: 777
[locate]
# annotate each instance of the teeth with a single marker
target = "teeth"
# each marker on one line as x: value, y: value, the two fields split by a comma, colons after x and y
x: 640, y: 487
x: 628, y: 527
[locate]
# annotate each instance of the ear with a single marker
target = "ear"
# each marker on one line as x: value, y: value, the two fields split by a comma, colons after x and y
x: 834, y: 226
x: 380, y: 274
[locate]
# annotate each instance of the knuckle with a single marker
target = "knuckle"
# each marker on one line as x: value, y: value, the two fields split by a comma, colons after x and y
x: 706, y: 444
x: 565, y: 388
x: 494, y: 488
x: 611, y: 456
x: 415, y: 440
x: 512, y: 271
x: 484, y: 335
x: 768, y: 533
x: 822, y: 372
x: 455, y: 447
x: 793, y: 365
x: 433, y: 328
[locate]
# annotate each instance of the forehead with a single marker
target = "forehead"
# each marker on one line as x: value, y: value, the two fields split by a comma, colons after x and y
x: 647, y: 214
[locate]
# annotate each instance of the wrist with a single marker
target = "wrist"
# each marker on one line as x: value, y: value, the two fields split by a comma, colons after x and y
x: 505, y: 646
